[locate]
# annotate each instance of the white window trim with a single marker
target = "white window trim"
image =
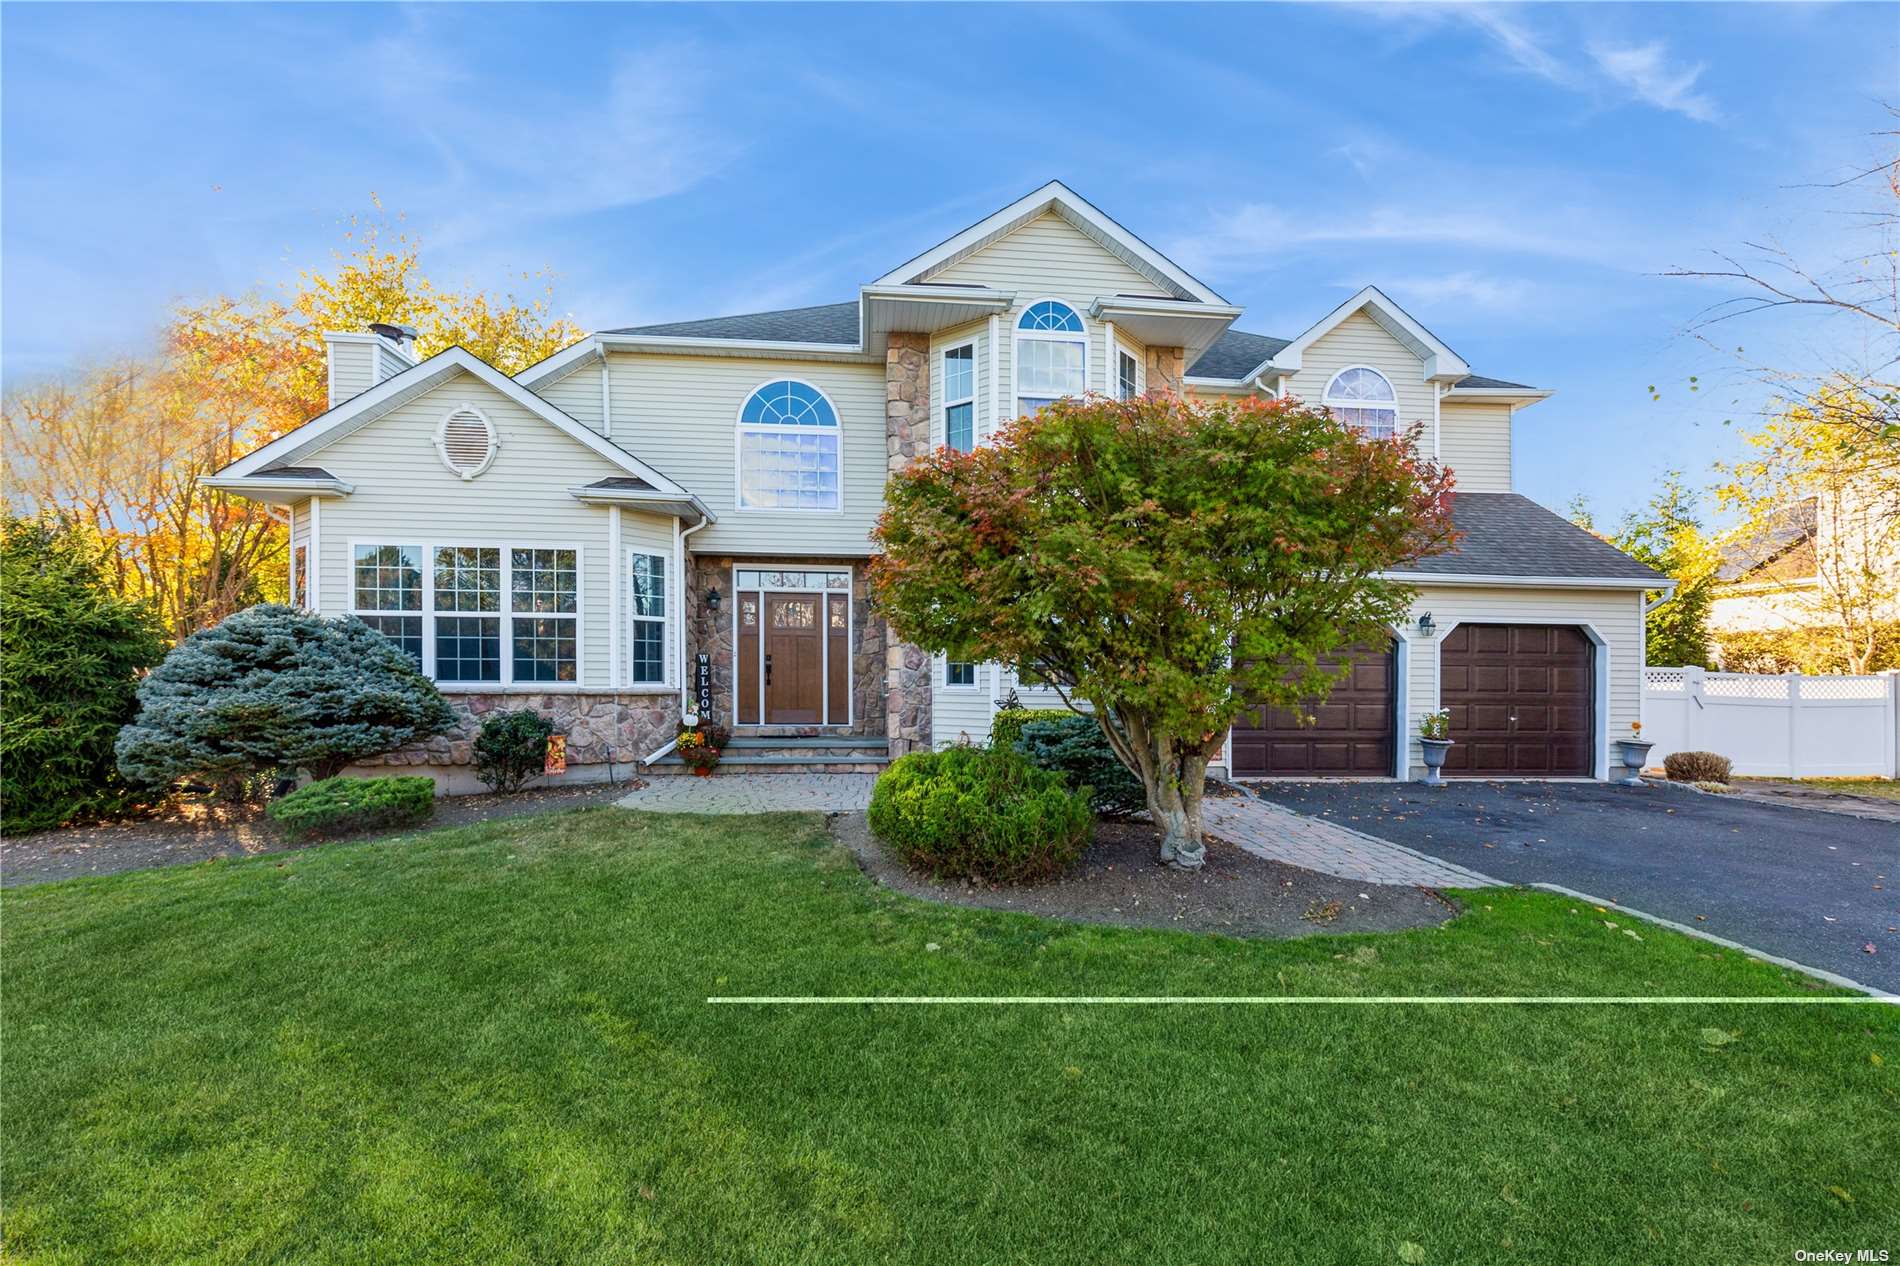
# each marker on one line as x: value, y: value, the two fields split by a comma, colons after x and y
x: 740, y: 427
x: 973, y: 686
x: 1327, y: 402
x: 1046, y: 336
x: 506, y: 613
x: 850, y: 624
x: 1116, y: 350
x: 669, y: 594
x: 947, y: 402
x: 442, y: 447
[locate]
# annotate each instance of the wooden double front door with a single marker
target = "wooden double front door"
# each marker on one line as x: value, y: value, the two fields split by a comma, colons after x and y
x: 794, y: 652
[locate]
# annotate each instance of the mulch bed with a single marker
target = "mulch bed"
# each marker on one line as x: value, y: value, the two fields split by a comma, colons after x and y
x: 1121, y: 880
x: 194, y: 833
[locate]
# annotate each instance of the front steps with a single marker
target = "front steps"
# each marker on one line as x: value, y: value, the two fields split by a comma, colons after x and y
x: 786, y: 753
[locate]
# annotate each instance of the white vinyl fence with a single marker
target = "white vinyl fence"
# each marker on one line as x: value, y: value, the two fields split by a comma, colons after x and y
x: 1776, y: 726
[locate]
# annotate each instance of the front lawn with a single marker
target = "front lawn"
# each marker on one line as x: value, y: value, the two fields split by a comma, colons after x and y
x: 491, y: 1044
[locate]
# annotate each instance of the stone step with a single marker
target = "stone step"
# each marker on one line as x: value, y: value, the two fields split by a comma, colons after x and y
x: 814, y: 763
x: 824, y: 743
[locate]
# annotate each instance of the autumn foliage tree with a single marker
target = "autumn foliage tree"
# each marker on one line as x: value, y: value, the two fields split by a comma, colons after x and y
x: 125, y: 446
x: 1163, y: 564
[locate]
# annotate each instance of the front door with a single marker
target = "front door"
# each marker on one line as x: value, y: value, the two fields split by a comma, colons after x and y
x: 794, y: 659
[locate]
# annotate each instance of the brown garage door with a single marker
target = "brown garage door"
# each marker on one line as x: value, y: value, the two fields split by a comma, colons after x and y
x: 1350, y: 733
x: 1520, y: 699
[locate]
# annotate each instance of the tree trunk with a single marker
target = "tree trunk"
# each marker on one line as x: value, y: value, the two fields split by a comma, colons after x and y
x: 1174, y: 801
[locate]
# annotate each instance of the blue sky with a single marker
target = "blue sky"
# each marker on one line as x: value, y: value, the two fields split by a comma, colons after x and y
x: 1513, y: 176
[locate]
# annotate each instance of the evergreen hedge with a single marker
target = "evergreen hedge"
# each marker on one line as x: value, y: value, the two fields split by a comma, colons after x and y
x: 512, y: 748
x: 71, y: 650
x: 335, y: 806
x: 1006, y: 726
x: 274, y: 688
x: 980, y: 813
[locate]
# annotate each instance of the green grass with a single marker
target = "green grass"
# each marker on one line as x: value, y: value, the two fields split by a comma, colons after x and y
x: 491, y: 1045
x: 1886, y: 788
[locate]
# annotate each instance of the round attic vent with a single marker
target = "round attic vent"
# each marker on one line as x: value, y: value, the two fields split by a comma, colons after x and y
x: 466, y: 441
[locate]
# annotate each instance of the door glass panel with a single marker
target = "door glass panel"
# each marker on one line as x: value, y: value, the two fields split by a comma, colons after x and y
x: 797, y: 614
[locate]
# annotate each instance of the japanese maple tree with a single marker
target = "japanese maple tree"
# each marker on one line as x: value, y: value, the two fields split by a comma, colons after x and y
x: 1164, y: 564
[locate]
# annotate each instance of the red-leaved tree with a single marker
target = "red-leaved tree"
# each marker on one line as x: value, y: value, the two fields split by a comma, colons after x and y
x: 1164, y: 564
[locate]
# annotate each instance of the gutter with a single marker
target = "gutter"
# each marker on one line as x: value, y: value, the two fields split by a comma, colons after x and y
x: 679, y: 570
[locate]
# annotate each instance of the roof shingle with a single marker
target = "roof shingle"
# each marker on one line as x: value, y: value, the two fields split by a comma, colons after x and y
x: 1505, y: 534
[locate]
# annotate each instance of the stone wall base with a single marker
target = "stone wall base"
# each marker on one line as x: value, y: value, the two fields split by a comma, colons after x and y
x: 604, y: 730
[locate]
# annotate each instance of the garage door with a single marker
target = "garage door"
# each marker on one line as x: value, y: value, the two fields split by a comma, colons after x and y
x: 1520, y: 699
x: 1350, y: 733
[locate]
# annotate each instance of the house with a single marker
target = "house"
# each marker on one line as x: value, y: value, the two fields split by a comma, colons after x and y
x: 1821, y: 559
x: 669, y: 519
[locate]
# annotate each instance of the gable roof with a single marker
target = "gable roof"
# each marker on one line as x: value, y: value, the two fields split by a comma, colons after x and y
x: 1077, y: 210
x: 1439, y: 361
x: 399, y: 389
x: 1238, y: 356
x: 1514, y: 540
x: 1786, y: 530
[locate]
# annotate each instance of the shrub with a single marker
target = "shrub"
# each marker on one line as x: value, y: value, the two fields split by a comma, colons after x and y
x: 1696, y: 767
x: 512, y: 748
x: 1074, y: 746
x: 272, y: 687
x: 333, y: 806
x: 71, y: 650
x: 980, y: 813
x: 1007, y: 725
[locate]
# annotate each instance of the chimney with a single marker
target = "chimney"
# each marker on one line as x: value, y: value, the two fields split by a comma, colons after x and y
x: 358, y: 362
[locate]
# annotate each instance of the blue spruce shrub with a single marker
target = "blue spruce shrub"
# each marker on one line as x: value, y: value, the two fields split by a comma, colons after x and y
x: 271, y: 688
x: 1074, y: 746
x: 335, y: 806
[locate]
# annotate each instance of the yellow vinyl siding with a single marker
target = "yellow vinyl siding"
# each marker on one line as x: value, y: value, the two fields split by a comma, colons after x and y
x: 1051, y: 255
x: 404, y: 495
x: 679, y: 414
x: 1359, y: 340
x: 578, y: 395
x: 1475, y: 442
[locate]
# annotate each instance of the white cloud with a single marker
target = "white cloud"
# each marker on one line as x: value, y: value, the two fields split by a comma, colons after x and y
x: 1468, y: 289
x: 1519, y: 43
x: 1645, y: 71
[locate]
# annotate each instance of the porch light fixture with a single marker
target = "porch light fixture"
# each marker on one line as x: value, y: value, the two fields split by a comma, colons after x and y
x: 1425, y: 624
x: 712, y: 599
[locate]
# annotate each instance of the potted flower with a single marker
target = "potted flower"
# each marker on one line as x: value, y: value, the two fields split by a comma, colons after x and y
x: 1434, y: 736
x: 1635, y: 752
x: 700, y: 747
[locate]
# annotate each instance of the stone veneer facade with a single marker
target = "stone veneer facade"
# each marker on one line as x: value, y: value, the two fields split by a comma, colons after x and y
x: 907, y: 675
x: 603, y: 729
x: 1167, y: 370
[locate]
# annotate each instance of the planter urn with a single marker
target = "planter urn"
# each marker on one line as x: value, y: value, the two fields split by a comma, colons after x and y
x: 702, y: 771
x: 1434, y: 750
x: 1635, y: 753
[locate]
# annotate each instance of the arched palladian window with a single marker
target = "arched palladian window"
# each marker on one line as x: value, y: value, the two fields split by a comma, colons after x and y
x: 1052, y: 352
x: 788, y: 449
x: 1362, y: 397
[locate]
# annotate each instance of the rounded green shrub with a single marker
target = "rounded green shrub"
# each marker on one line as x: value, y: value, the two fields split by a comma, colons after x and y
x: 511, y: 748
x: 1007, y: 725
x: 1696, y: 767
x: 335, y: 806
x: 980, y: 813
x: 1073, y: 745
x: 71, y: 650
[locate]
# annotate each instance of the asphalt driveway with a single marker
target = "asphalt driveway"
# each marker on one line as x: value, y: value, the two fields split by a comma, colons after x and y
x: 1811, y: 886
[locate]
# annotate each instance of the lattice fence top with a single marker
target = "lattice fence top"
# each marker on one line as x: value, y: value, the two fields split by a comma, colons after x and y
x: 1674, y: 681
x: 1744, y: 686
x: 1843, y: 687
x: 1669, y: 679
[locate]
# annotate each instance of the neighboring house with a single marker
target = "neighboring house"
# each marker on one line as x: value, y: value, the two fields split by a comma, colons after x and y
x: 677, y: 517
x: 1819, y: 559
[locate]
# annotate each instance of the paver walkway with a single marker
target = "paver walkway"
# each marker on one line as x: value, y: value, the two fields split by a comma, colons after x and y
x: 754, y: 793
x: 1268, y: 831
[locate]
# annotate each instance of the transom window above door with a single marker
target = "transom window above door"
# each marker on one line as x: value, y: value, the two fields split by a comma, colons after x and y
x: 1051, y: 356
x: 788, y: 440
x: 1362, y: 397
